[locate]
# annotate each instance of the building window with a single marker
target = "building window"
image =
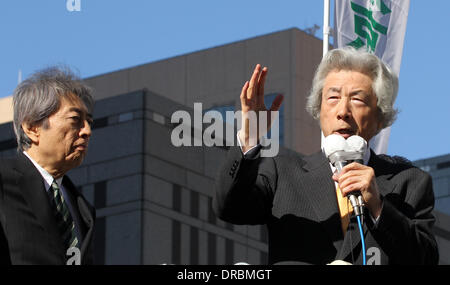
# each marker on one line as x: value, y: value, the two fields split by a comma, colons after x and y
x: 212, y: 245
x: 99, y: 240
x: 160, y: 119
x: 124, y: 117
x: 176, y: 197
x: 194, y: 246
x: 229, y: 251
x: 443, y: 165
x: 100, y: 194
x: 263, y: 234
x: 211, y: 215
x: 100, y: 123
x: 176, y: 242
x: 195, y: 205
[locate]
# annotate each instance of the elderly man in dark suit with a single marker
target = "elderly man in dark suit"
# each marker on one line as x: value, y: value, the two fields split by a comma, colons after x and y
x: 44, y: 219
x: 300, y: 198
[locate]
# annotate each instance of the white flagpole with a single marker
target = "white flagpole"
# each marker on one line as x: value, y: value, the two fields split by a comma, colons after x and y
x: 326, y: 40
x: 326, y: 25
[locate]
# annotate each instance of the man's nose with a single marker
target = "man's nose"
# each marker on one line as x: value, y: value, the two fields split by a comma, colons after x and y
x: 86, y: 130
x: 344, y: 109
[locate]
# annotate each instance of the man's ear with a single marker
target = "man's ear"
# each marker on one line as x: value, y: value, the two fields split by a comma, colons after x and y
x: 33, y: 132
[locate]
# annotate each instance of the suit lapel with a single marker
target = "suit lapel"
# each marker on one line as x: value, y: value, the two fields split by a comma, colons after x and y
x: 322, y: 195
x: 31, y: 184
x: 383, y: 173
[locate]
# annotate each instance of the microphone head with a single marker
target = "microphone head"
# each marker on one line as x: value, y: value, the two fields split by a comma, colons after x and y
x: 334, y: 143
x: 357, y: 143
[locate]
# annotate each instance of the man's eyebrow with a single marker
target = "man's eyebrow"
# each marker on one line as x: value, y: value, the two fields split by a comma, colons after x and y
x: 79, y: 111
x: 358, y: 92
x: 334, y: 89
x: 75, y: 109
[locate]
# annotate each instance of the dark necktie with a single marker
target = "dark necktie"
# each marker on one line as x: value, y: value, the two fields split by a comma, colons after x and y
x: 64, y: 219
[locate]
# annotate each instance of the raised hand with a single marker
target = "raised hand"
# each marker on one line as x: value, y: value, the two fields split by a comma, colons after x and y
x: 252, y: 100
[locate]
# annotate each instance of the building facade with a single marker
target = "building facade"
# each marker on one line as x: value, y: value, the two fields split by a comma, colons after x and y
x: 439, y: 169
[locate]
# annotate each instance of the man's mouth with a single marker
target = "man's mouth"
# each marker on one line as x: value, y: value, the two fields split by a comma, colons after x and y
x: 346, y: 133
x: 82, y: 147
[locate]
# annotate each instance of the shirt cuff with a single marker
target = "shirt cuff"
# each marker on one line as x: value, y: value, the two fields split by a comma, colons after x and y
x: 375, y: 220
x: 252, y: 153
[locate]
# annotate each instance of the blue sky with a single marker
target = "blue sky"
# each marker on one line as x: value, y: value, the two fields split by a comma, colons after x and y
x: 110, y: 35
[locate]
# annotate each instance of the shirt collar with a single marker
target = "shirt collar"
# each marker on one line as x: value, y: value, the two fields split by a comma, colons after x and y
x: 366, y: 156
x: 48, y: 178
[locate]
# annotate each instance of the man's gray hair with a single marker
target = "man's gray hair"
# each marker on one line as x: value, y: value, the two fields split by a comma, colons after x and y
x: 40, y: 95
x: 385, y: 82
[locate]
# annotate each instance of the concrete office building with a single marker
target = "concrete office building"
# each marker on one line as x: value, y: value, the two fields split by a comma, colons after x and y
x: 191, y: 234
x: 6, y: 111
x: 153, y: 200
x: 439, y: 169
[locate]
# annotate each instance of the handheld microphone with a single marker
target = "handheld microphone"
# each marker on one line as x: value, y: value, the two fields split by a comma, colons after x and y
x: 341, y: 152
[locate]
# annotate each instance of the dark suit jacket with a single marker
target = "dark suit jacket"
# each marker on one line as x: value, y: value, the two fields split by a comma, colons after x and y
x: 295, y: 196
x: 28, y: 231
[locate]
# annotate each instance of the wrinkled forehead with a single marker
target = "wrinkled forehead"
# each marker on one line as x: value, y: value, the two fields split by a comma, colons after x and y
x: 348, y: 78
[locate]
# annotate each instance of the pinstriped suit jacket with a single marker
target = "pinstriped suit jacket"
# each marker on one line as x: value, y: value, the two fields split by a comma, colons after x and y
x: 28, y: 230
x: 295, y: 197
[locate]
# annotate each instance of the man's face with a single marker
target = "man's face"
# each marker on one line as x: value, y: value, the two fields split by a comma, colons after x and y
x: 349, y: 106
x: 64, y: 143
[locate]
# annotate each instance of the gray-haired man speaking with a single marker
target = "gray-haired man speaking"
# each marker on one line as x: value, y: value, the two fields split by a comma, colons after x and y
x: 43, y: 218
x: 304, y: 204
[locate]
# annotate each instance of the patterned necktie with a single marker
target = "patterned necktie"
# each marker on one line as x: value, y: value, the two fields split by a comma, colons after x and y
x: 64, y: 219
x: 345, y: 209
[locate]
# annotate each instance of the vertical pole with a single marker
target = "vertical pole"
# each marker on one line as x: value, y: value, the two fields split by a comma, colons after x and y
x: 19, y: 77
x: 326, y: 25
x: 326, y: 36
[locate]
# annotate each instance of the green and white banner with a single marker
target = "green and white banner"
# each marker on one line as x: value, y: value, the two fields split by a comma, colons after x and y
x: 378, y: 26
